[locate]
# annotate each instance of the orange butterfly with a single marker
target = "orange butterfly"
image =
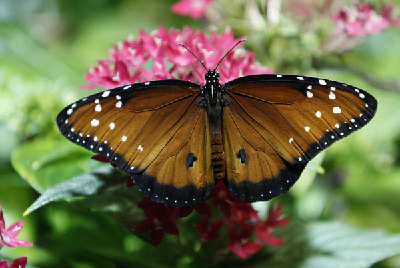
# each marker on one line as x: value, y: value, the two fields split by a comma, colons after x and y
x: 176, y: 138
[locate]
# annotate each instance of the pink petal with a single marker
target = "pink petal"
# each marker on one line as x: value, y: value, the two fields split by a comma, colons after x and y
x: 3, y: 264
x: 275, y: 241
x: 156, y: 237
x: 170, y: 228
x: 192, y: 8
x: 143, y: 226
x: 15, y: 242
x: 19, y: 263
x: 238, y: 251
x: 251, y: 248
x: 2, y: 222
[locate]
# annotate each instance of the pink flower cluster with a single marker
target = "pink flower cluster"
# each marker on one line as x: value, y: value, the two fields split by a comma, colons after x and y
x: 8, y: 238
x: 247, y: 233
x: 360, y: 19
x: 158, y: 56
x: 192, y: 8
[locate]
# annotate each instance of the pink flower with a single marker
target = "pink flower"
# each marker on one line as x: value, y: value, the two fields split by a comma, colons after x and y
x: 360, y: 20
x: 7, y: 236
x: 265, y: 229
x: 240, y: 244
x: 243, y: 223
x: 207, y: 230
x: 192, y: 8
x: 17, y: 263
x: 169, y: 60
x: 387, y: 12
x: 160, y: 219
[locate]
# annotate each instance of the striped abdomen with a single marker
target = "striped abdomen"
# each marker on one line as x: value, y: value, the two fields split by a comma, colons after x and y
x: 217, y: 156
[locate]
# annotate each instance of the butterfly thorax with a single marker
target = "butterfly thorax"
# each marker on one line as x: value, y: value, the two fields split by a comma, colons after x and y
x: 213, y: 103
x: 212, y: 99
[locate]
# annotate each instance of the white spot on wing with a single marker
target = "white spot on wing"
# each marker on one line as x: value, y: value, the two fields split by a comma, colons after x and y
x: 96, y: 101
x: 124, y: 138
x: 307, y: 128
x: 337, y: 126
x: 126, y: 87
x: 73, y: 105
x: 290, y: 140
x: 118, y: 97
x: 140, y: 148
x: 95, y: 138
x: 69, y: 112
x: 333, y: 88
x: 332, y: 96
x: 278, y: 75
x: 309, y: 87
x: 118, y: 104
x: 300, y: 78
x: 309, y: 94
x: 112, y: 125
x: 98, y: 108
x: 147, y: 83
x: 337, y: 110
x: 105, y: 94
x: 318, y: 114
x: 95, y: 122
x: 362, y: 96
x: 322, y: 82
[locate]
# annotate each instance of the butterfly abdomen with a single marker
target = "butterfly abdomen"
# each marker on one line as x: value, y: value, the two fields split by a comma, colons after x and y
x: 217, y: 156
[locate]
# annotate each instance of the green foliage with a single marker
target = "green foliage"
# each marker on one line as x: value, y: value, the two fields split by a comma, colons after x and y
x: 81, y: 185
x: 341, y: 245
x: 42, y: 166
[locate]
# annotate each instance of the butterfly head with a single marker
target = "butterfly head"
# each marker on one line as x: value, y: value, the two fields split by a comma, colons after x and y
x: 212, y: 88
x: 212, y: 77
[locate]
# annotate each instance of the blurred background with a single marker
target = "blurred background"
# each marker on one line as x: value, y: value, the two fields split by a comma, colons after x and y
x: 46, y: 48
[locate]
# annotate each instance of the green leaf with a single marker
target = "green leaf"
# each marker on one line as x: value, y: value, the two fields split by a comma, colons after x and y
x: 46, y: 162
x: 342, y: 245
x: 82, y: 185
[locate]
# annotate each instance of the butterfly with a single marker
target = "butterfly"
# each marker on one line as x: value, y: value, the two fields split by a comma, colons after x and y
x: 256, y: 133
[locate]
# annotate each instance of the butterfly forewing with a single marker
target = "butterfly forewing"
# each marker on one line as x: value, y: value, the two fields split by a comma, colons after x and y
x: 156, y: 131
x: 278, y: 123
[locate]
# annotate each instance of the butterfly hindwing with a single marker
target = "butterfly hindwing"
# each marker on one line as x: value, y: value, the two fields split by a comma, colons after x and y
x: 255, y: 171
x: 155, y: 131
x: 281, y: 123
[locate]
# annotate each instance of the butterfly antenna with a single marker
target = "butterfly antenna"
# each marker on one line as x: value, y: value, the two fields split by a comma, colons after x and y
x: 202, y: 63
x: 240, y: 41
